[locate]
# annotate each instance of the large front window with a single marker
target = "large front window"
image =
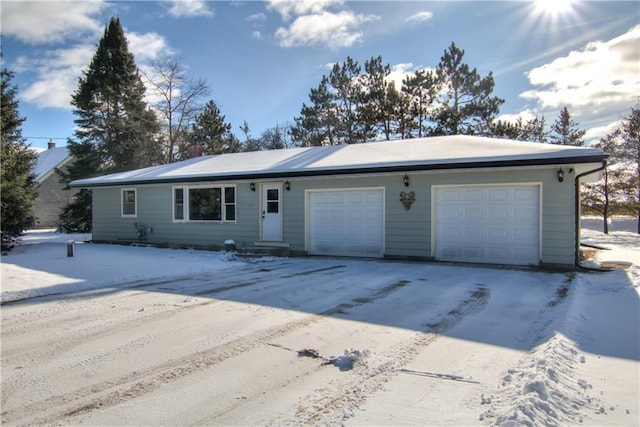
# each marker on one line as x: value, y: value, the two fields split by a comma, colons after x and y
x: 204, y: 203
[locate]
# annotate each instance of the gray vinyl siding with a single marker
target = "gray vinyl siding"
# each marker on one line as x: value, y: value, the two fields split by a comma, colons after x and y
x: 155, y: 212
x: 407, y: 233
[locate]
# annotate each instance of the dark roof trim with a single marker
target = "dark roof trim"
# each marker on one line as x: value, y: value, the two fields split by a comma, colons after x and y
x: 354, y: 171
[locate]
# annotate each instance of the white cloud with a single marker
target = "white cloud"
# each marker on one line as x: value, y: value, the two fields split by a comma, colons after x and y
x: 147, y: 47
x: 287, y: 8
x: 257, y: 17
x: 46, y: 22
x: 330, y: 29
x: 526, y: 115
x: 601, y: 75
x: 419, y: 17
x: 57, y: 75
x: 57, y: 71
x: 599, y: 132
x: 189, y: 8
x: 399, y: 72
x: 256, y: 35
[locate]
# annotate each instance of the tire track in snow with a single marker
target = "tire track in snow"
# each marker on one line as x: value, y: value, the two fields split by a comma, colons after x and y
x: 52, y: 347
x: 338, y: 402
x: 128, y: 387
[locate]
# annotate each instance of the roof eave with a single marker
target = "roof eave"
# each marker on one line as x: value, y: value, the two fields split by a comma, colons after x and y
x: 350, y: 171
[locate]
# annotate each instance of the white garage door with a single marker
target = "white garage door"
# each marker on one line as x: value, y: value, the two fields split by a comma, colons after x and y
x: 488, y: 224
x: 346, y: 223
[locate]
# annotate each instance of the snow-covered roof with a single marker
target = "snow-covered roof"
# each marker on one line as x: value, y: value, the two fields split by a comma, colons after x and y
x: 445, y: 152
x: 48, y: 160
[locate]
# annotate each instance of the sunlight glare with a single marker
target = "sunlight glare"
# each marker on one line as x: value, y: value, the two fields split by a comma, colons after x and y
x: 553, y: 7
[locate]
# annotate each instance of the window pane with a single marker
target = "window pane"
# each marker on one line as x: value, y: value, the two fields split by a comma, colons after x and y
x: 204, y: 204
x: 230, y: 212
x: 272, y: 194
x: 128, y: 202
x: 272, y: 207
x: 230, y: 195
x: 178, y: 211
x: 229, y: 204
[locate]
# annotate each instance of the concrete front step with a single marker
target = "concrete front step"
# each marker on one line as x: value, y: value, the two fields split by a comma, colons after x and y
x: 261, y: 251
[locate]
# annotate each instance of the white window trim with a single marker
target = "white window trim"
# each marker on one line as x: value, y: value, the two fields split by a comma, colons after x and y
x: 173, y: 203
x: 135, y: 205
x: 185, y: 203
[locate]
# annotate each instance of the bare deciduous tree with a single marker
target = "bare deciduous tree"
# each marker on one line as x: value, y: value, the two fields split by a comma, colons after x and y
x: 176, y: 98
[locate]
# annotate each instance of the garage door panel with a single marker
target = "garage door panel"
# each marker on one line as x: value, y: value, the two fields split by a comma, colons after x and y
x: 359, y: 214
x: 498, y: 195
x: 498, y: 214
x: 505, y: 219
x: 498, y: 234
x: 472, y: 234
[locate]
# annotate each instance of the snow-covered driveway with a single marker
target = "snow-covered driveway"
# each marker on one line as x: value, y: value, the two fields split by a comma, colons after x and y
x: 218, y: 341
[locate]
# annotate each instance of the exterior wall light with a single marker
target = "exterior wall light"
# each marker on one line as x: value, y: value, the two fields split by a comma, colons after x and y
x: 560, y: 175
x: 252, y: 186
x: 405, y: 180
x: 287, y: 186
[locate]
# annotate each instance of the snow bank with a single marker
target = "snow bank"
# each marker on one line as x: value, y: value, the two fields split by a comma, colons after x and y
x: 542, y: 390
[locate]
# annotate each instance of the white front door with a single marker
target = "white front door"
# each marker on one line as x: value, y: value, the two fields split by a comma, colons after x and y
x: 271, y: 213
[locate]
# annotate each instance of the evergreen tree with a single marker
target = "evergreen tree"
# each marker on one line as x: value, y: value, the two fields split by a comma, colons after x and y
x: 421, y: 88
x: 115, y: 129
x: 348, y: 95
x: 211, y: 130
x: 378, y: 97
x: 318, y: 121
x: 630, y: 152
x: 529, y: 130
x: 17, y: 182
x: 565, y: 130
x: 250, y: 143
x: 466, y: 105
x: 112, y: 113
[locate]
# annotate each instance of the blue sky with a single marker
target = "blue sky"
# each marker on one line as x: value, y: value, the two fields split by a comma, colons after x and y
x: 260, y: 59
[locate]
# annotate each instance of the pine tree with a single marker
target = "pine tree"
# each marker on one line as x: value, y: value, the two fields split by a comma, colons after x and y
x: 318, y: 121
x: 421, y: 89
x: 348, y: 96
x: 565, y: 130
x: 376, y: 111
x: 466, y: 105
x: 522, y: 130
x: 630, y: 149
x: 115, y: 129
x: 17, y: 182
x: 211, y: 130
x: 110, y: 106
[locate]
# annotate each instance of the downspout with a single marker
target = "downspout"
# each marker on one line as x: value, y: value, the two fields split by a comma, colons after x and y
x: 577, y: 209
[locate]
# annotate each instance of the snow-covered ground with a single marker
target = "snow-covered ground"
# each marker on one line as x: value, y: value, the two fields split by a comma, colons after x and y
x: 124, y: 335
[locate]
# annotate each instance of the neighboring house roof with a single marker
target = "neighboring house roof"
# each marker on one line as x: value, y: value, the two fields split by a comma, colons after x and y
x: 48, y: 160
x: 433, y: 153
